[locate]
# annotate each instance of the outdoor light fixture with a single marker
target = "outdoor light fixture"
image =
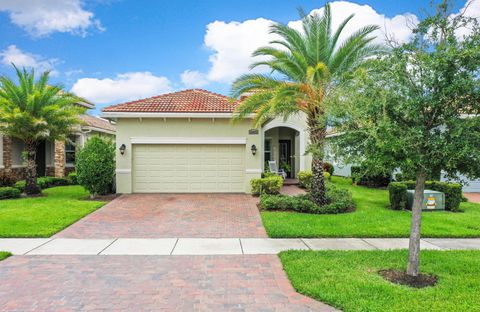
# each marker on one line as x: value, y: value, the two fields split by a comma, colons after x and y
x: 122, y: 149
x: 254, y: 149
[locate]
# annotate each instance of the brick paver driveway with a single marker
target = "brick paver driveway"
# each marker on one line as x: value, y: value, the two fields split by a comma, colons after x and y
x: 149, y: 283
x: 172, y: 215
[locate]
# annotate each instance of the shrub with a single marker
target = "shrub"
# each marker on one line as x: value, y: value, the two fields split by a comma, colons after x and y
x: 7, y: 179
x: 328, y: 167
x: 9, y: 192
x: 340, y: 200
x: 43, y: 183
x: 453, y: 192
x: 397, y: 192
x: 95, y: 166
x: 305, y: 178
x: 268, y: 174
x: 269, y: 185
x: 72, y: 178
x: 361, y: 176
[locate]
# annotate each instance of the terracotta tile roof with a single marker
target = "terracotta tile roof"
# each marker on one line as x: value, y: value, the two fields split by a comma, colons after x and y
x: 97, y: 122
x: 187, y: 101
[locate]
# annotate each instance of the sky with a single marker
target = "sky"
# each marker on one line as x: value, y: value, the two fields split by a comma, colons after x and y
x: 112, y: 51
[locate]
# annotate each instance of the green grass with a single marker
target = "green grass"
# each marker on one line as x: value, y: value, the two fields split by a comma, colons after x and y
x: 348, y: 280
x: 4, y: 255
x: 46, y: 215
x: 372, y: 219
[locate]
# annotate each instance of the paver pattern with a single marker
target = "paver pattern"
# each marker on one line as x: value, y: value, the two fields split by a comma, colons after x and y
x: 149, y: 283
x: 473, y: 197
x: 292, y: 190
x: 172, y: 215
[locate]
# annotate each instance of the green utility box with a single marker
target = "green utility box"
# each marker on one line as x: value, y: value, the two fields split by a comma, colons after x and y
x: 432, y: 200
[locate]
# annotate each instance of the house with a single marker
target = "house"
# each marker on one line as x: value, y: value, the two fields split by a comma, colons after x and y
x: 54, y: 158
x: 186, y: 142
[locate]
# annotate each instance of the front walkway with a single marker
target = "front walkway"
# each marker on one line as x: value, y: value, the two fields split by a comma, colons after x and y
x: 473, y: 197
x: 172, y: 215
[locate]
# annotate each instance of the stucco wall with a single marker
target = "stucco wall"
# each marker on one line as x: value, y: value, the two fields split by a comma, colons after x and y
x: 128, y: 128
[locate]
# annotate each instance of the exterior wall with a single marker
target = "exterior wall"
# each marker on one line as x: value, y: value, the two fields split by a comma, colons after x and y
x: 128, y: 128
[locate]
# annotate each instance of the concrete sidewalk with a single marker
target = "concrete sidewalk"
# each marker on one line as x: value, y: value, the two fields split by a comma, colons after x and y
x: 215, y: 246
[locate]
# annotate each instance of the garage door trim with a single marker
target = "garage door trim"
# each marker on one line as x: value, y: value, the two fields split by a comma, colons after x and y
x: 190, y: 140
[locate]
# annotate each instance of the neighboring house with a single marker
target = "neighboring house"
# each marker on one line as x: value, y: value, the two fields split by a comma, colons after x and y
x: 186, y: 142
x: 54, y: 158
x: 344, y: 169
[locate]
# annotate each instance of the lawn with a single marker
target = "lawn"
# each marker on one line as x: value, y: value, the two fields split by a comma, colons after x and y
x: 46, y: 215
x: 4, y: 255
x: 348, y: 280
x: 372, y: 219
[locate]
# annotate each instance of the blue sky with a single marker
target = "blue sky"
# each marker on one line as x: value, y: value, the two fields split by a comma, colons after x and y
x: 114, y: 51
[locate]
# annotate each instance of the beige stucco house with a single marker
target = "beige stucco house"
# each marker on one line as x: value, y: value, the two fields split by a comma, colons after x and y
x: 186, y: 142
x: 54, y: 158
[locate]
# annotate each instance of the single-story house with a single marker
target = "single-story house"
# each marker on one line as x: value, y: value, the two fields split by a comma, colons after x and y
x: 54, y: 158
x: 186, y: 142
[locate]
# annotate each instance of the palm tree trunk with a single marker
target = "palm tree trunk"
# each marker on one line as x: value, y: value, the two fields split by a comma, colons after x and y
x: 31, y: 186
x: 317, y: 138
x: 413, y: 268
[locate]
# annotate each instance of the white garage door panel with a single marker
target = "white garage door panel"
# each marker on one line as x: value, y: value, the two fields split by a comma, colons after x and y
x: 188, y: 168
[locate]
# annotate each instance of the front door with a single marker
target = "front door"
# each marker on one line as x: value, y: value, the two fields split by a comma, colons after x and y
x: 40, y: 159
x: 285, y: 154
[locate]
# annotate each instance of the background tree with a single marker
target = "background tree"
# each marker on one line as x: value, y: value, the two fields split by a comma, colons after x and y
x: 417, y: 109
x: 95, y: 166
x: 33, y: 111
x: 306, y: 66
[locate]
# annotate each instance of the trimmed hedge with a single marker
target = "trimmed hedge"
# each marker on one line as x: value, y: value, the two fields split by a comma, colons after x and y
x: 72, y: 178
x: 453, y: 193
x: 397, y: 192
x: 9, y: 192
x: 371, y: 180
x: 43, y: 183
x: 340, y: 201
x: 269, y: 185
x: 305, y: 178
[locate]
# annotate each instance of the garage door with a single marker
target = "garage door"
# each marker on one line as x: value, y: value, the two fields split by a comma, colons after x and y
x: 188, y: 168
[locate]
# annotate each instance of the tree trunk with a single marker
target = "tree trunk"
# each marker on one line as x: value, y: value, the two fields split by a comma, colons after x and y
x: 413, y: 268
x: 317, y: 138
x: 31, y: 187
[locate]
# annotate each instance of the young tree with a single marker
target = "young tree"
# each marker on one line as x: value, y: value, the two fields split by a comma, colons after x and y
x: 417, y: 109
x: 306, y: 66
x: 33, y: 111
x: 96, y: 166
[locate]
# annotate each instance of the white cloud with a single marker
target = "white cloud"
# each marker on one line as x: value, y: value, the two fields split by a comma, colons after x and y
x: 124, y: 87
x: 193, y: 79
x: 43, y: 17
x: 232, y: 43
x: 14, y: 55
x: 470, y: 9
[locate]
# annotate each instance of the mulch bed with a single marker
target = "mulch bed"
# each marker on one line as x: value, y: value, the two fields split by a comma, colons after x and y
x: 104, y: 198
x: 402, y: 278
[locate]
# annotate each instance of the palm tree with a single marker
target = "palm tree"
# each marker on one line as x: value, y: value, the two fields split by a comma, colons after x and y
x: 306, y: 66
x: 33, y: 111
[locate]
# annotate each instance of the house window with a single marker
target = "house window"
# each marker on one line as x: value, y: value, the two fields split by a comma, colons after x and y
x: 268, y: 150
x: 70, y: 151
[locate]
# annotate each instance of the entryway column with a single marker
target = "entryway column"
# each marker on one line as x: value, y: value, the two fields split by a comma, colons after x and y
x: 59, y: 160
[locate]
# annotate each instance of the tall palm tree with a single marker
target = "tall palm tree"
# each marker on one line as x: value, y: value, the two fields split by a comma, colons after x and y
x: 33, y: 111
x: 306, y: 66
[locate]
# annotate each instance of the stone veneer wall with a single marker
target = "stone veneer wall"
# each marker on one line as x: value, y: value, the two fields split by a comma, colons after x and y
x: 59, y: 160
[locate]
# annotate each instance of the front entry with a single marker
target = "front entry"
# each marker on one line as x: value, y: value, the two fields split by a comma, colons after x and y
x: 285, y: 153
x: 40, y: 159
